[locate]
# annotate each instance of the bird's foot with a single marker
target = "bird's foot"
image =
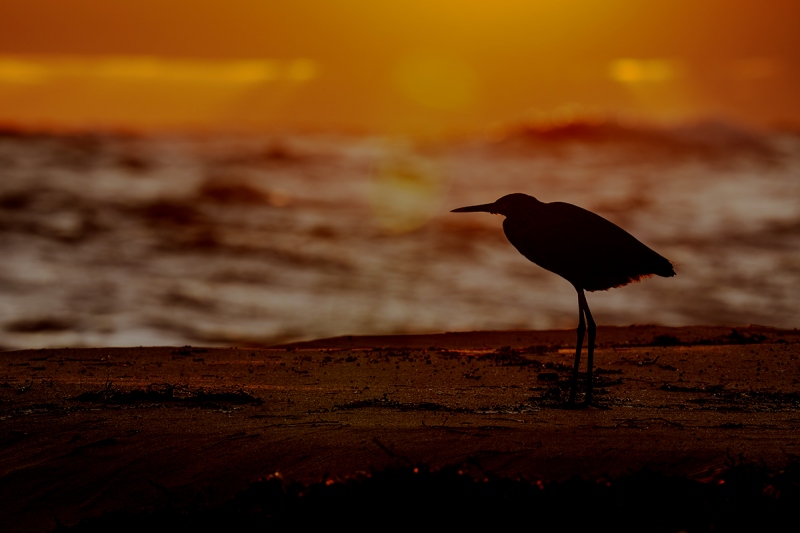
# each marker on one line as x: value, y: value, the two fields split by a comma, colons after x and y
x: 571, y: 405
x: 571, y: 400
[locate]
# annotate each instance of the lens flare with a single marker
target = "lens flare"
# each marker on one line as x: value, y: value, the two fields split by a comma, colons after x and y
x: 146, y: 92
x: 37, y: 70
x: 15, y: 71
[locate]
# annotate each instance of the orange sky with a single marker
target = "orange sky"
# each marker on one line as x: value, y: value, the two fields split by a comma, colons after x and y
x: 420, y: 66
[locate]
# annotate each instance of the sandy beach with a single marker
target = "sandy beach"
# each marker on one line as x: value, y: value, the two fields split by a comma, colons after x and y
x: 88, y: 431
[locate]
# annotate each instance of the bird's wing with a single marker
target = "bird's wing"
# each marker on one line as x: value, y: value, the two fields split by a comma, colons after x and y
x: 582, y: 247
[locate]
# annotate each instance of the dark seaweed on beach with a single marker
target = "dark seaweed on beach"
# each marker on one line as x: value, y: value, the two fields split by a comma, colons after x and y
x: 737, y: 337
x: 386, y: 403
x: 753, y: 401
x: 682, y: 388
x: 556, y: 392
x: 508, y: 356
x: 166, y: 394
x: 719, y: 399
x: 666, y: 340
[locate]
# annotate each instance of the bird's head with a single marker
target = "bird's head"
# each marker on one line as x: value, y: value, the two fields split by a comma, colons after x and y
x: 506, y: 206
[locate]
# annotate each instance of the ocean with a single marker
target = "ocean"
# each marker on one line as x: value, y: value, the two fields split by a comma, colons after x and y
x: 129, y: 240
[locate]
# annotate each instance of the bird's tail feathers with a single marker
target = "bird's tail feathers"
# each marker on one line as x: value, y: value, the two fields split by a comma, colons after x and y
x: 669, y: 270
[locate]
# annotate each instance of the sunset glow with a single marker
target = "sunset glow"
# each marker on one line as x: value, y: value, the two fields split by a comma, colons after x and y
x: 405, y: 192
x: 437, y: 83
x: 638, y: 71
x: 34, y: 71
x: 392, y: 67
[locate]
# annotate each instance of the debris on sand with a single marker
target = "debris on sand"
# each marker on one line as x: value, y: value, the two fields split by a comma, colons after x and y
x: 386, y: 403
x: 168, y: 394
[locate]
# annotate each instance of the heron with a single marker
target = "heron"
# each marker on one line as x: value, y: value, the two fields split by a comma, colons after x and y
x: 587, y: 250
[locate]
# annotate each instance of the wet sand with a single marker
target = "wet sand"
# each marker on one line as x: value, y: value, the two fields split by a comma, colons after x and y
x: 93, y: 430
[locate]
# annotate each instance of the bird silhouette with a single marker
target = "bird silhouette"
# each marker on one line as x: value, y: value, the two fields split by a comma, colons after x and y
x: 584, y: 248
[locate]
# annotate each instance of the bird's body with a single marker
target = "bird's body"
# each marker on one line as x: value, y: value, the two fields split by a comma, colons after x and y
x: 584, y: 248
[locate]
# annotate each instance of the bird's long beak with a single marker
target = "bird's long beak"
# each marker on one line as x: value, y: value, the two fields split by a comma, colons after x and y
x: 483, y: 208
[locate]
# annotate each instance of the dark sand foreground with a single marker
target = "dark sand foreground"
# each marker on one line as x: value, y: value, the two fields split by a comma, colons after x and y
x: 88, y: 431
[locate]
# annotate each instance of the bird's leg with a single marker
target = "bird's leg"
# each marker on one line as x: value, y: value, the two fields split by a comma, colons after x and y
x: 590, y: 347
x: 581, y: 331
